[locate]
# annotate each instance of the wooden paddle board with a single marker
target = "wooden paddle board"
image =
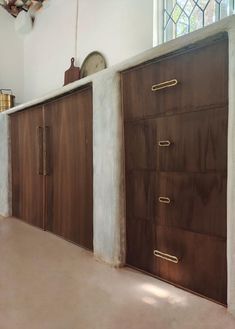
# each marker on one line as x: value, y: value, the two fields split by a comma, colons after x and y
x: 72, y: 74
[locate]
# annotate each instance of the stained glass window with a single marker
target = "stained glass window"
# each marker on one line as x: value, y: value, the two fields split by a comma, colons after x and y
x: 184, y: 16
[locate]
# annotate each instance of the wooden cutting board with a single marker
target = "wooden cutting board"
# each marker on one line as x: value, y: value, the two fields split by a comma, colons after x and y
x: 72, y: 74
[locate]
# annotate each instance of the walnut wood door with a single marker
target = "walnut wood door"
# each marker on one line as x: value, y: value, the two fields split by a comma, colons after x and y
x: 27, y: 166
x: 69, y: 167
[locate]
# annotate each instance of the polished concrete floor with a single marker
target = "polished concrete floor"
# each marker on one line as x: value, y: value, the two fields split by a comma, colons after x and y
x: 48, y: 283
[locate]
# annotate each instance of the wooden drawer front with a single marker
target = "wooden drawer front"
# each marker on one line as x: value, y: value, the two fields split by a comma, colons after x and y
x: 202, y: 76
x: 202, y: 262
x: 140, y: 244
x: 197, y: 202
x: 198, y: 142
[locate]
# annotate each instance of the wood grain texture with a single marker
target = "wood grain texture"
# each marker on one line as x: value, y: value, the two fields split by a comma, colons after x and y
x: 202, y: 259
x: 69, y: 183
x: 72, y: 74
x: 140, y: 244
x: 141, y: 195
x: 202, y: 262
x: 27, y: 183
x: 198, y: 142
x: 52, y: 167
x: 202, y: 75
x: 198, y: 201
x: 191, y: 171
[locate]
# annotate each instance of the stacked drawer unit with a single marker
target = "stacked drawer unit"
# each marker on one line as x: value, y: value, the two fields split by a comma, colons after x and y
x: 175, y: 126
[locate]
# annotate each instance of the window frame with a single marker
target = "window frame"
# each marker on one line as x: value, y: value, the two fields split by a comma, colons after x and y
x: 158, y: 20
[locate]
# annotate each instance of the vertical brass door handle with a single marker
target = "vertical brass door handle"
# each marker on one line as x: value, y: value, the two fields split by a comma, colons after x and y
x: 40, y: 150
x: 165, y: 84
x: 169, y: 258
x: 46, y: 155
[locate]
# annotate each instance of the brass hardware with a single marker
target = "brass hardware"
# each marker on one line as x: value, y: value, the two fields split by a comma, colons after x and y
x: 165, y: 84
x: 6, y: 99
x: 164, y: 199
x: 169, y: 258
x: 164, y: 143
x: 45, y: 151
x: 40, y: 150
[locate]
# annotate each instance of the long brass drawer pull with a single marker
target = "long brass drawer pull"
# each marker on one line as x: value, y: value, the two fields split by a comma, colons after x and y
x: 164, y: 143
x: 169, y: 258
x: 165, y: 84
x: 164, y: 199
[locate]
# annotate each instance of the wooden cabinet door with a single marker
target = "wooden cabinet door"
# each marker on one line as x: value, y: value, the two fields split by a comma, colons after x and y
x: 195, y: 202
x: 199, y: 261
x: 196, y: 79
x: 69, y: 167
x: 204, y: 132
x: 198, y: 141
x: 27, y: 166
x: 176, y: 170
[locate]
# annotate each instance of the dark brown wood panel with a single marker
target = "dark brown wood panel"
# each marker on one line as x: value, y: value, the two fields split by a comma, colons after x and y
x: 202, y: 76
x: 198, y: 142
x: 176, y: 149
x: 141, y: 195
x: 197, y: 201
x: 69, y: 180
x: 141, y: 145
x: 140, y: 244
x: 26, y: 154
x: 202, y: 263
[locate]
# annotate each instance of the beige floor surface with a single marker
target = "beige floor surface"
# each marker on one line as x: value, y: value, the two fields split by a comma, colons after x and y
x: 48, y: 283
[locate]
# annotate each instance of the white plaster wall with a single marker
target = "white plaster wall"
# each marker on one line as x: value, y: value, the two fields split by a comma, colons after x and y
x: 11, y: 57
x: 119, y: 29
x: 48, y: 48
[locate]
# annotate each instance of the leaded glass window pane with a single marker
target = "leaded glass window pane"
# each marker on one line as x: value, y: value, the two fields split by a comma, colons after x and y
x: 184, y: 16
